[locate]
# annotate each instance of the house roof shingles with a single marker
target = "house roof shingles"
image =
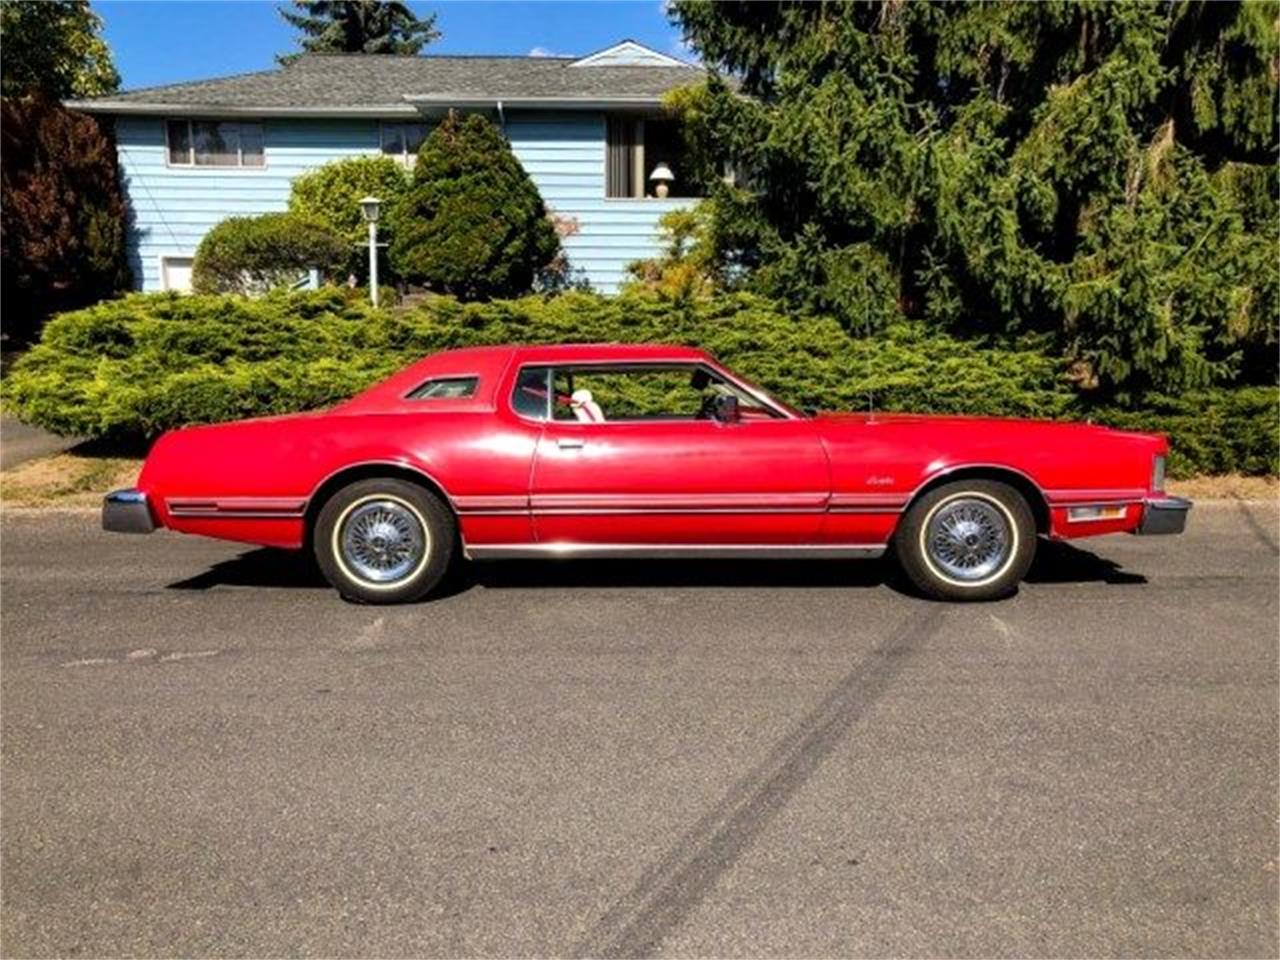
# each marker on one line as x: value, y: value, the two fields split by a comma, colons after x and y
x: 368, y: 83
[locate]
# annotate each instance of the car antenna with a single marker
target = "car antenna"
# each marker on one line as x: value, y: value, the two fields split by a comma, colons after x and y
x: 866, y: 333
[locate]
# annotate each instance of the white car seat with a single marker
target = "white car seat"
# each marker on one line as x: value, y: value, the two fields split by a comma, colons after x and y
x: 585, y: 407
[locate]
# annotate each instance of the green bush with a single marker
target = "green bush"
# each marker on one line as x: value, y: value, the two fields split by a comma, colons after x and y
x: 257, y: 254
x: 331, y: 194
x: 150, y: 362
x: 472, y: 223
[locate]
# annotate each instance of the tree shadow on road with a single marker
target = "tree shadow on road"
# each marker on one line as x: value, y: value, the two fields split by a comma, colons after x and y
x: 1055, y: 562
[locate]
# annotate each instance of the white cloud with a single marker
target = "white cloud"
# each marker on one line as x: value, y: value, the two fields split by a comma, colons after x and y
x: 543, y: 52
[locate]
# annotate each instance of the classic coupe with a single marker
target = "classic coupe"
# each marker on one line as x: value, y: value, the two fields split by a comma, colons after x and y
x: 612, y: 450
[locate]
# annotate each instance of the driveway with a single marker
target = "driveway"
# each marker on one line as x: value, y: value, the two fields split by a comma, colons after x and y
x: 20, y: 443
x: 205, y: 752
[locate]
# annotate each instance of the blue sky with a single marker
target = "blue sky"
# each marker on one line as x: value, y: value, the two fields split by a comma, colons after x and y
x: 168, y: 41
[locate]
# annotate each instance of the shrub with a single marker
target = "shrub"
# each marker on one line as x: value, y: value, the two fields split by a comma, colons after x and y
x: 331, y: 194
x: 150, y: 362
x: 62, y: 217
x: 257, y: 254
x: 472, y: 223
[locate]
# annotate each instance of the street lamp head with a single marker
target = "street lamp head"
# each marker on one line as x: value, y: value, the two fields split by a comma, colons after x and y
x: 369, y: 207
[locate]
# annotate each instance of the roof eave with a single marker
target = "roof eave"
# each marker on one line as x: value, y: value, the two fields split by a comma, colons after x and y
x: 140, y: 108
x: 426, y: 102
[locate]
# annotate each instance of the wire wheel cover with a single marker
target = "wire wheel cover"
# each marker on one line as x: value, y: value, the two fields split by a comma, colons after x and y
x: 968, y: 539
x: 382, y: 541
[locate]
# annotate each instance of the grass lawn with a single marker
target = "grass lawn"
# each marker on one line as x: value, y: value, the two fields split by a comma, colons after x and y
x: 66, y: 480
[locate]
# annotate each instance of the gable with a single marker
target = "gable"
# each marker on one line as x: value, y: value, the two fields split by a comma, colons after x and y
x: 628, y: 53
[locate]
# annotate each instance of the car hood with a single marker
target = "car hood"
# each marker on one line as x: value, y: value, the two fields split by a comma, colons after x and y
x: 958, y: 420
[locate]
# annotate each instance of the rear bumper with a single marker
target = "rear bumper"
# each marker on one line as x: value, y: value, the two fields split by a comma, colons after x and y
x: 127, y: 511
x: 1166, y: 515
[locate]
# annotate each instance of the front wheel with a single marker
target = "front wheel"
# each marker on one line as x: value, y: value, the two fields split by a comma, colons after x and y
x: 967, y: 540
x: 384, y: 541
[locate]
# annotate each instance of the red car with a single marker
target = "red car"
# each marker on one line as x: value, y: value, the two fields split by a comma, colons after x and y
x: 639, y: 451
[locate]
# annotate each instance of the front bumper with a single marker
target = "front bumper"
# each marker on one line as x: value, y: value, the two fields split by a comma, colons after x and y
x: 1166, y: 515
x: 126, y: 511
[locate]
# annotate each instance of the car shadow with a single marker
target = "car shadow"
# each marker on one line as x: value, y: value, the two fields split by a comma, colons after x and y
x: 1060, y: 562
x: 1055, y: 562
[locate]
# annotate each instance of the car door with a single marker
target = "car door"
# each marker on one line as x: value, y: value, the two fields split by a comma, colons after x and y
x: 671, y: 478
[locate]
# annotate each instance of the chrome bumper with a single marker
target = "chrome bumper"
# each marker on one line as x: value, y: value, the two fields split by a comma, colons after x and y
x: 126, y: 511
x: 1166, y: 515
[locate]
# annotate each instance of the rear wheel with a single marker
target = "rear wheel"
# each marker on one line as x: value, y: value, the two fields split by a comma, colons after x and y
x: 384, y: 541
x: 967, y: 540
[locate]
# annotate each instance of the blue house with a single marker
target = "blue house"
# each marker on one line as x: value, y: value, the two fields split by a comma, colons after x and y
x: 590, y: 131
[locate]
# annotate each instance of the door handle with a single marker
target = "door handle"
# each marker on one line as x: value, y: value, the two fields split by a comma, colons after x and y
x: 569, y: 443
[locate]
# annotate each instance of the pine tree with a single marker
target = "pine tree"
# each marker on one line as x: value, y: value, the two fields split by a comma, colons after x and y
x: 472, y: 222
x: 1101, y: 173
x: 55, y: 48
x: 358, y: 26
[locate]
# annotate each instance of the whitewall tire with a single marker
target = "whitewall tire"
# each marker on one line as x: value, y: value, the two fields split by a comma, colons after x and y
x: 384, y: 541
x: 967, y: 540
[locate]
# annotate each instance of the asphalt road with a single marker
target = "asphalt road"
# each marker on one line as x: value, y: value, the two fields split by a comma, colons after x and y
x: 204, y: 752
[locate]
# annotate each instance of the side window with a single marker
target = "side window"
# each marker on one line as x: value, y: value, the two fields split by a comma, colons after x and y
x: 644, y: 392
x: 445, y: 388
x: 532, y: 394
x: 629, y: 393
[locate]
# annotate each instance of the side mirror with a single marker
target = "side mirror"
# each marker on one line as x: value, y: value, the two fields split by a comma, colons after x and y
x: 725, y: 409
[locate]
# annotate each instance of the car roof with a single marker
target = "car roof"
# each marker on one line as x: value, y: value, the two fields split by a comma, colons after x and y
x: 487, y: 363
x: 609, y: 352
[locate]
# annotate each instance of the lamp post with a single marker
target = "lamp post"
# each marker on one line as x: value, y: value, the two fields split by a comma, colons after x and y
x: 369, y: 208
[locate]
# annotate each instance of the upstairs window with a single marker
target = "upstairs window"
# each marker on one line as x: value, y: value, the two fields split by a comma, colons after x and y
x: 402, y: 140
x: 214, y: 143
x: 637, y: 149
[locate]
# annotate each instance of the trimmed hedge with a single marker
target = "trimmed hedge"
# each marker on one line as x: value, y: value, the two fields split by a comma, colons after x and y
x: 257, y: 254
x: 150, y: 362
x: 331, y: 194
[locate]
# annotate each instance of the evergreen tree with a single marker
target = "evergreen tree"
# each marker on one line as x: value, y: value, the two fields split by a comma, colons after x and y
x: 1104, y: 173
x: 472, y: 222
x: 359, y: 26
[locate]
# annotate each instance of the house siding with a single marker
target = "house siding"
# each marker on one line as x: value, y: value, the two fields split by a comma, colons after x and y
x: 173, y: 207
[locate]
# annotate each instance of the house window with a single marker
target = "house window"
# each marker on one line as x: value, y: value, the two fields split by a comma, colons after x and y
x: 214, y: 143
x: 637, y: 147
x: 402, y: 140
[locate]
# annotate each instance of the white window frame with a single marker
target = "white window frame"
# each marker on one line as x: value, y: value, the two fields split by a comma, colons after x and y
x: 163, y: 259
x: 239, y: 166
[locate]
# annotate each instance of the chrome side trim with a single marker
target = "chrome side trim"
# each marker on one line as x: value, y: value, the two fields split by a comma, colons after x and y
x: 867, y: 502
x: 236, y: 507
x: 1091, y: 497
x: 514, y: 551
